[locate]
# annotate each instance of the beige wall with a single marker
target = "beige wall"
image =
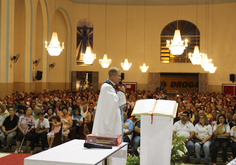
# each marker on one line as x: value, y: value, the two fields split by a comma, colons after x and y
x: 157, y: 17
x: 19, y: 41
x: 58, y: 73
x: 39, y: 40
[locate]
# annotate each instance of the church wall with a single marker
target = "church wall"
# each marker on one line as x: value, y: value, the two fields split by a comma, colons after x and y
x: 157, y: 17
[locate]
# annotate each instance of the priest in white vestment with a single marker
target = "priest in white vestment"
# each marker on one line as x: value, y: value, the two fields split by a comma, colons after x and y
x: 108, y: 114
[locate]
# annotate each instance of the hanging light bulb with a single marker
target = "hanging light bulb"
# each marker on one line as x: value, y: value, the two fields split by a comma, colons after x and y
x: 176, y: 45
x: 54, y: 48
x: 206, y: 66
x: 144, y: 68
x: 105, y: 62
x: 205, y: 61
x: 88, y: 56
x: 195, y: 57
x: 126, y: 65
x: 212, y: 69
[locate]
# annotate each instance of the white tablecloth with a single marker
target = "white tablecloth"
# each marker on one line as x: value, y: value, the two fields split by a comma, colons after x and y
x: 74, y: 153
x: 233, y: 162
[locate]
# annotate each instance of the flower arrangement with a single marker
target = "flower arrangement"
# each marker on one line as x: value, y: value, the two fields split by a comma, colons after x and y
x: 133, y: 160
x: 178, y: 150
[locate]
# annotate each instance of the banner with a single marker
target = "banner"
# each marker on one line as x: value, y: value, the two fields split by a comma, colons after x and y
x: 176, y: 82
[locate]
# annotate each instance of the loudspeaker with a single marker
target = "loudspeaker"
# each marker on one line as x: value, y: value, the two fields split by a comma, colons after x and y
x: 232, y: 77
x: 38, y: 75
x: 122, y: 76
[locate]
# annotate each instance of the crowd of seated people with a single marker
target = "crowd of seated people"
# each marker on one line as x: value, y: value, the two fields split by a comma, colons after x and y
x: 26, y: 117
x: 204, y: 119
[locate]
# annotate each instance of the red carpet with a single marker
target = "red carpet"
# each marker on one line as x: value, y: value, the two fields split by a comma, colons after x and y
x: 13, y: 159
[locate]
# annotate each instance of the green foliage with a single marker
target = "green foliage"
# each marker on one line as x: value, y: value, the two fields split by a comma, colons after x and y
x: 133, y: 160
x: 178, y: 150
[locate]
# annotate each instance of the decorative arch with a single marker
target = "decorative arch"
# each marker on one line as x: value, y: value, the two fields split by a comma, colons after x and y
x: 45, y: 37
x: 68, y: 42
x: 188, y: 31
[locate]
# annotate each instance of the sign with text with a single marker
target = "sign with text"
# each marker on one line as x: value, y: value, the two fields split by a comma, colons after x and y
x: 179, y: 81
x: 130, y: 86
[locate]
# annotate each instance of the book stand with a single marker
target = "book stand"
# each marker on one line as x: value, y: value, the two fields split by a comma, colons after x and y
x: 156, y: 140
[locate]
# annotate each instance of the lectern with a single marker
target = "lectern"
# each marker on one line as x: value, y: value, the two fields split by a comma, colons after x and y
x: 156, y: 140
x: 156, y: 130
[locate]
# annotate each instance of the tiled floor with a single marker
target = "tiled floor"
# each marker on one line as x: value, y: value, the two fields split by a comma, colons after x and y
x: 4, y: 154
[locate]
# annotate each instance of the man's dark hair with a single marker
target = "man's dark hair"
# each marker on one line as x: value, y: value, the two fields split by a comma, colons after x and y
x: 21, y: 107
x: 45, y: 103
x: 11, y: 107
x: 185, y: 112
x: 40, y: 114
x: 230, y: 112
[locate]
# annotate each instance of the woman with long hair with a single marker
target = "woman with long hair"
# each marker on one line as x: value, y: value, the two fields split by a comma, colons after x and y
x: 66, y: 123
x: 222, y: 132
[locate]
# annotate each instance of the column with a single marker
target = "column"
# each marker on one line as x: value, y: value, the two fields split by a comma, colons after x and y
x: 7, y: 46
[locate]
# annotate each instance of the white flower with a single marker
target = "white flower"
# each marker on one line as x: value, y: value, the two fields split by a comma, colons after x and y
x: 171, y: 146
x: 138, y: 149
x: 180, y: 153
x: 185, y: 149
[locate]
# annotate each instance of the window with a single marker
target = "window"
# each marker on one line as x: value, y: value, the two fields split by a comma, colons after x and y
x: 188, y: 31
x: 84, y: 37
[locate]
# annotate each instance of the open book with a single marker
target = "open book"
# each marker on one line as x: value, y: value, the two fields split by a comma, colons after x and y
x: 157, y: 107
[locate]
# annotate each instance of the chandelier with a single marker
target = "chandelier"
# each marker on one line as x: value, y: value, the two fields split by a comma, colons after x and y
x: 212, y: 69
x: 88, y: 56
x: 205, y: 61
x: 195, y: 57
x: 176, y: 45
x: 126, y: 65
x: 105, y: 62
x: 144, y: 68
x: 54, y: 48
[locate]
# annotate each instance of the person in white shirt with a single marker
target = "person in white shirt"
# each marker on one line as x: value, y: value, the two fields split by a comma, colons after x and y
x: 233, y: 138
x: 41, y: 129
x: 203, y: 132
x: 186, y: 129
x: 222, y: 132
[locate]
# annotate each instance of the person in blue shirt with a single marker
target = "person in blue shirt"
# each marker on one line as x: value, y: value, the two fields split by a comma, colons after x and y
x: 128, y: 128
x: 16, y: 103
x: 136, y: 141
x: 78, y: 118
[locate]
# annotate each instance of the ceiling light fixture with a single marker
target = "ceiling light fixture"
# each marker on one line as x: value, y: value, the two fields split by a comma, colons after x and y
x: 176, y: 45
x: 105, y: 62
x: 126, y: 65
x: 54, y: 48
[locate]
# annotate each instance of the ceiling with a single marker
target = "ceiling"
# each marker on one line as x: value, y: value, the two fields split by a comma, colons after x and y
x: 152, y: 2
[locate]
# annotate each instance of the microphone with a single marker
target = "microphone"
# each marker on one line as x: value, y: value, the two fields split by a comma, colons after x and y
x: 120, y: 83
x: 91, y: 145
